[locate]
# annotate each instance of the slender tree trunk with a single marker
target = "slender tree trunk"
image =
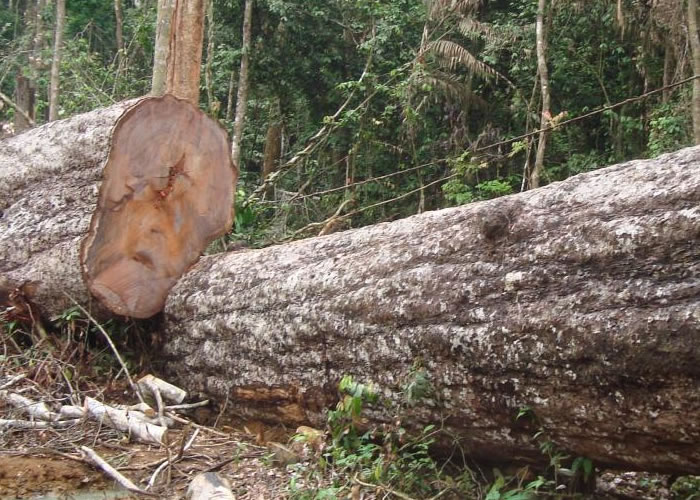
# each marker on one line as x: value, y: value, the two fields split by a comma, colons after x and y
x: 210, y: 56
x: 668, y: 76
x: 273, y: 144
x: 229, y: 102
x: 242, y: 98
x: 24, y: 100
x: 119, y: 32
x: 56, y: 63
x: 695, y: 48
x: 162, y: 46
x: 178, y: 55
x: 544, y: 90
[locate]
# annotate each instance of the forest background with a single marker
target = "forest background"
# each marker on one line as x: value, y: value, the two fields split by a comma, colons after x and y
x: 365, y: 111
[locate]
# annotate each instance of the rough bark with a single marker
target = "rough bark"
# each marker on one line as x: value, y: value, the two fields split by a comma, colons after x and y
x: 56, y: 62
x: 272, y: 149
x: 24, y: 101
x: 242, y: 96
x: 695, y: 49
x: 208, y: 77
x: 178, y: 51
x: 185, y: 57
x: 545, y: 114
x: 165, y: 184
x: 161, y: 51
x: 579, y: 300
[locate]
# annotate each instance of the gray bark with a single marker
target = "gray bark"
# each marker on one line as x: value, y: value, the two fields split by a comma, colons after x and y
x: 161, y: 51
x: 49, y: 177
x: 56, y: 62
x: 242, y: 97
x: 579, y: 300
x: 538, y: 169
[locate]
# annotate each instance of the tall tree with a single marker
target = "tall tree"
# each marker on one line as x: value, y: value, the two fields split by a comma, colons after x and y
x: 56, y: 62
x: 178, y: 52
x: 212, y: 104
x: 541, y: 41
x: 695, y: 48
x: 119, y: 32
x: 161, y: 50
x: 242, y: 98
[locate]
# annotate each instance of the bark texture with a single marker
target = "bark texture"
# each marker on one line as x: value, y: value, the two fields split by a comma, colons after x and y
x: 56, y: 61
x: 49, y: 180
x: 167, y: 191
x: 579, y: 300
x: 546, y: 116
x: 242, y: 96
x: 178, y: 51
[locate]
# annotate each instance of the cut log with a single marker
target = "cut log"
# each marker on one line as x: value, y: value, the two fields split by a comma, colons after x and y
x: 167, y: 192
x: 579, y: 301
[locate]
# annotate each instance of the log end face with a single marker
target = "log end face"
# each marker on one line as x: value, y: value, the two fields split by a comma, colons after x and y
x: 167, y: 193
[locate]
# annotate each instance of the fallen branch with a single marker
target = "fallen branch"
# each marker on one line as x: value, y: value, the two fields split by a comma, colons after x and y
x: 188, y: 406
x: 33, y: 409
x: 169, y: 391
x: 98, y: 461
x: 12, y: 381
x: 36, y: 424
x: 14, y: 106
x: 166, y: 462
x: 124, y: 421
x: 111, y: 345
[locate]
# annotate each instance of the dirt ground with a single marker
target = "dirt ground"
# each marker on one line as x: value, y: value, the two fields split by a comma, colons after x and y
x: 24, y: 477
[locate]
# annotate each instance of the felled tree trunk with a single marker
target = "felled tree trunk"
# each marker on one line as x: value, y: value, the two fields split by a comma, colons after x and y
x: 579, y: 301
x: 67, y: 234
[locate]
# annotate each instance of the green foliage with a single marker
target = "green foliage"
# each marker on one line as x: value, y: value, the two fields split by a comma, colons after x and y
x: 669, y: 129
x: 459, y: 193
x: 686, y: 488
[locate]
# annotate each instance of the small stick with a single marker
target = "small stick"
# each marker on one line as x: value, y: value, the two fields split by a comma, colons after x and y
x: 36, y: 424
x: 166, y: 461
x: 98, y: 461
x: 33, y: 409
x: 203, y: 427
x: 186, y: 406
x: 12, y: 381
x: 111, y: 345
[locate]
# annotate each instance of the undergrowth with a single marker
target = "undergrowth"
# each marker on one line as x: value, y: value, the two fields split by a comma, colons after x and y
x: 397, y: 463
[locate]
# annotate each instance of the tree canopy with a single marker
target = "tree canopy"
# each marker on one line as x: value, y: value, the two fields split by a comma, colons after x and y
x: 364, y: 111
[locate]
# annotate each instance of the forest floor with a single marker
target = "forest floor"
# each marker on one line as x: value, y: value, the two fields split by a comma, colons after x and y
x: 261, y: 462
x: 47, y: 463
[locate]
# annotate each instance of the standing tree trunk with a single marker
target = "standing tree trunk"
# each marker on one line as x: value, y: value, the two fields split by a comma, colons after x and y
x: 242, y: 98
x: 695, y: 48
x: 546, y: 115
x: 56, y: 63
x: 229, y: 102
x: 668, y: 69
x: 178, y: 55
x: 24, y: 100
x: 579, y: 301
x: 119, y: 33
x: 208, y: 79
x: 161, y: 52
